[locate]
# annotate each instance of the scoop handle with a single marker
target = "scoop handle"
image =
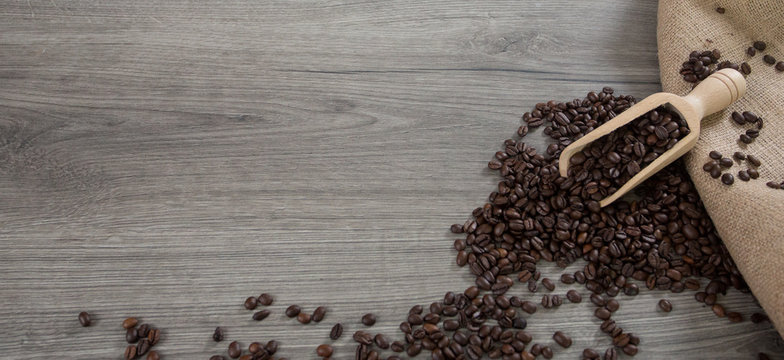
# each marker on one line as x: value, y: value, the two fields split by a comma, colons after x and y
x: 717, y: 92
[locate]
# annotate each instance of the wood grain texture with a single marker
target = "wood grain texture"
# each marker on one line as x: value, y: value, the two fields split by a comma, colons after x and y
x: 167, y: 159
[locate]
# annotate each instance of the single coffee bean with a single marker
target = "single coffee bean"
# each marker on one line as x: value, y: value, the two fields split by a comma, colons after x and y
x: 318, y: 314
x: 548, y: 284
x: 529, y: 306
x: 142, y: 347
x: 217, y: 357
x: 562, y: 340
x: 751, y: 51
x: 727, y: 179
x: 142, y: 331
x: 745, y: 139
x: 734, y: 317
x: 265, y: 299
x: 780, y: 66
x: 363, y: 337
x: 718, y: 310
x: 590, y: 354
x: 598, y: 300
x: 567, y: 278
x: 602, y: 313
x: 715, y: 155
x: 131, y: 337
x: 710, y: 165
x: 753, y: 173
x: 381, y: 341
x: 665, y: 305
x: 397, y: 346
x: 368, y: 319
x: 303, y: 318
x: 154, y: 336
x: 84, y: 319
x: 574, y: 296
x: 130, y: 352
x: 293, y: 311
x: 153, y: 355
x: 251, y: 303
x: 743, y: 175
x: 715, y: 172
x: 769, y: 59
x: 613, y: 305
x: 254, y: 347
x: 129, y: 323
x: 773, y: 185
x: 745, y: 68
x: 217, y: 335
x: 739, y: 156
x: 235, y: 350
x: 630, y: 349
x: 261, y: 315
x: 271, y: 347
x: 610, y: 354
x: 719, y: 10
x: 753, y: 160
x: 759, y: 317
x: 324, y: 350
x: 725, y: 162
x: 336, y: 331
x: 760, y: 45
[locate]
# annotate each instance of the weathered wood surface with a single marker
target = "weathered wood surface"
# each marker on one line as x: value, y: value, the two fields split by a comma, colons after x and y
x: 166, y: 159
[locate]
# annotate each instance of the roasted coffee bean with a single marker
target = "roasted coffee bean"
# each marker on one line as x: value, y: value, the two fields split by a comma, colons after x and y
x: 84, y: 319
x: 318, y: 314
x: 753, y: 160
x: 154, y: 336
x: 142, y: 331
x: 303, y: 318
x: 769, y: 59
x: 251, y: 303
x: 734, y: 317
x: 529, y: 306
x: 235, y: 350
x: 130, y: 352
x: 780, y: 66
x: 739, y: 156
x: 293, y: 311
x: 630, y: 349
x: 363, y: 338
x: 612, y: 305
x: 751, y: 51
x: 725, y: 162
x: 265, y: 299
x: 574, y: 296
x: 602, y: 313
x: 217, y: 335
x: 598, y: 300
x: 759, y: 317
x: 719, y: 10
x: 745, y: 139
x: 129, y: 323
x: 590, y: 354
x: 610, y: 354
x: 381, y: 341
x: 567, y: 278
x: 261, y: 315
x: 561, y: 339
x: 760, y: 45
x: 368, y: 319
x: 153, y: 355
x: 271, y: 347
x: 665, y: 305
x: 548, y: 284
x: 131, y: 336
x: 217, y: 357
x: 414, y: 349
x: 142, y: 347
x: 745, y: 68
x: 336, y: 331
x: 715, y: 155
x: 246, y: 357
x: 727, y: 179
x: 743, y: 175
x: 254, y: 347
x: 397, y: 346
x: 324, y: 350
x: 718, y: 310
x: 773, y: 185
x: 753, y: 173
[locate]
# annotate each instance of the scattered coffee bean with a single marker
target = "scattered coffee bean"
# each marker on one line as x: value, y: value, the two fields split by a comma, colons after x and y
x: 336, y: 331
x: 261, y: 315
x: 251, y: 303
x: 562, y: 340
x: 153, y: 355
x: 760, y: 45
x: 718, y: 310
x: 759, y: 317
x: 753, y: 160
x: 529, y: 306
x: 610, y: 354
x: 217, y: 335
x: 129, y: 323
x: 217, y: 357
x: 769, y: 59
x: 751, y: 51
x: 368, y: 319
x: 324, y: 350
x: 142, y: 331
x: 84, y: 319
x: 574, y: 296
x: 743, y: 175
x: 131, y: 337
x: 715, y: 155
x: 739, y: 156
x: 773, y: 185
x: 590, y: 354
x: 130, y: 352
x: 303, y: 318
x: 612, y: 305
x: 265, y: 299
x: 271, y: 347
x: 745, y: 68
x: 318, y: 314
x: 142, y: 347
x: 753, y: 173
x: 235, y: 350
x: 780, y: 66
x: 725, y: 162
x: 363, y: 337
x: 548, y: 284
x: 293, y: 311
x: 745, y: 139
x: 735, y: 317
x: 665, y: 305
x: 727, y: 179
x: 630, y: 349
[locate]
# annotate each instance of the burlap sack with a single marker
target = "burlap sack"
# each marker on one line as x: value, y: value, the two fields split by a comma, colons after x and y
x: 749, y: 216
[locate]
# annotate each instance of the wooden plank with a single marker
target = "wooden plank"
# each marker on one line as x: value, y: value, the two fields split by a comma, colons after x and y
x: 167, y: 159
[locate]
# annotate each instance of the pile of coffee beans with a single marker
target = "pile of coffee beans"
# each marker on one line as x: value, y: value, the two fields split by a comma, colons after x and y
x: 141, y: 339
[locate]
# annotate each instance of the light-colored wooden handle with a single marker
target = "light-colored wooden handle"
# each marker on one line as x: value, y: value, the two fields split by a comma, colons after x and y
x: 717, y: 92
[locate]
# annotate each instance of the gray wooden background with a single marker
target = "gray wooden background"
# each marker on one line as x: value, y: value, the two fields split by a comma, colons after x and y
x: 167, y: 159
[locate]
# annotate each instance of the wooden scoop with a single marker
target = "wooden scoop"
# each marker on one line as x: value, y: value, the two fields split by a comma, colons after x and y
x: 713, y: 94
